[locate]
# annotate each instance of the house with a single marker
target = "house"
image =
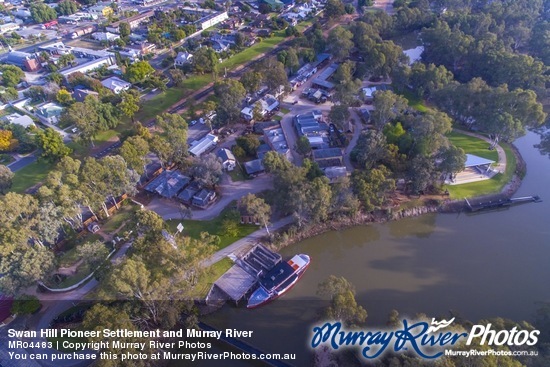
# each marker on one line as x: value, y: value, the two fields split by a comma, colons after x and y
x: 183, y: 58
x: 8, y: 27
x: 203, y: 198
x: 143, y: 48
x: 275, y: 5
x: 254, y: 167
x: 275, y: 138
x: 211, y: 20
x: 365, y: 115
x: 133, y: 21
x: 168, y: 183
x: 328, y: 157
x: 247, y: 113
x: 198, y: 147
x: 334, y: 173
x: 88, y: 66
x: 322, y: 82
x: 187, y: 194
x: 228, y: 159
x: 102, y: 10
x: 24, y: 60
x: 80, y: 93
x: 18, y: 119
x: 49, y: 113
x: 105, y: 36
x: 116, y: 84
x: 220, y: 46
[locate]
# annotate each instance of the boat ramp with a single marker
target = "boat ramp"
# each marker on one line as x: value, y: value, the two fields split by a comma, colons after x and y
x: 242, y: 277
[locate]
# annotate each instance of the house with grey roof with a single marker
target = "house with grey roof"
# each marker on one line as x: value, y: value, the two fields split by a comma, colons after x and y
x: 18, y: 119
x: 183, y: 58
x: 203, y: 198
x: 228, y: 159
x: 168, y: 183
x: 116, y: 84
x: 186, y: 195
x: 254, y: 167
x: 79, y: 94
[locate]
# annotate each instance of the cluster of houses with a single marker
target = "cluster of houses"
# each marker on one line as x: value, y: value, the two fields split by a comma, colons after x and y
x: 307, y: 71
x: 172, y: 184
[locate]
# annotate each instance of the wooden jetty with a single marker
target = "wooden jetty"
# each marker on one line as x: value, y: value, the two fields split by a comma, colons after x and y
x: 502, y: 202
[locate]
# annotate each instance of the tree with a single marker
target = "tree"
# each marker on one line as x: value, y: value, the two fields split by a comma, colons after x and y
x: 251, y: 81
x: 139, y: 71
x: 206, y: 60
x: 51, y: 145
x: 93, y: 253
x: 387, y: 106
x: 175, y: 137
x: 343, y: 306
x: 207, y: 170
x: 230, y: 94
x: 42, y: 13
x: 129, y: 104
x: 9, y: 94
x: 66, y: 59
x: 373, y: 187
x: 249, y: 143
x: 124, y: 30
x: 274, y: 74
x: 133, y: 150
x: 257, y: 208
x: 25, y: 305
x: 24, y: 267
x: 340, y: 42
x: 334, y: 9
x: 339, y: 115
x: 11, y: 75
x: 84, y: 116
x: 67, y: 7
x: 36, y: 93
x: 7, y: 142
x: 452, y: 160
x: 6, y: 178
x: 64, y: 97
x: 303, y: 146
x: 177, y: 76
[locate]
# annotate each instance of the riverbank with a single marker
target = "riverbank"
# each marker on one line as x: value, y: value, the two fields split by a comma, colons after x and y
x: 430, y: 204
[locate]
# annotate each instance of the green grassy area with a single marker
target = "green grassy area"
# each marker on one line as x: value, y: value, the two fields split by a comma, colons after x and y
x: 414, y: 101
x: 494, y: 185
x: 6, y: 159
x: 125, y: 213
x: 81, y: 151
x: 277, y: 118
x: 210, y: 275
x: 237, y: 174
x: 473, y: 145
x: 30, y: 175
x: 193, y: 228
x: 285, y: 110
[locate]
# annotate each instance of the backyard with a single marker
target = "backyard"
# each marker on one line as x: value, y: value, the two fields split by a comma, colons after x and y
x: 216, y: 226
x: 30, y: 175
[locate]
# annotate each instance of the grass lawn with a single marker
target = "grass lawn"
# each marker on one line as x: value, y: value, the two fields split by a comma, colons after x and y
x: 210, y: 275
x: 125, y: 213
x: 81, y: 151
x: 285, y: 110
x: 494, y: 185
x: 237, y: 174
x: 193, y: 228
x: 414, y: 101
x: 472, y: 145
x: 277, y: 118
x: 30, y: 175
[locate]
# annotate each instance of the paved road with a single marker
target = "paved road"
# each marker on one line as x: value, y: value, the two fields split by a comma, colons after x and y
x: 22, y: 163
x: 170, y: 209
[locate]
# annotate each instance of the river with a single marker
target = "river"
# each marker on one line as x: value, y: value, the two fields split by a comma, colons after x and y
x: 479, y: 266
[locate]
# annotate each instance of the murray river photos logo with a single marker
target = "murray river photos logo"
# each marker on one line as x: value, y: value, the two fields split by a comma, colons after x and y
x: 427, y: 340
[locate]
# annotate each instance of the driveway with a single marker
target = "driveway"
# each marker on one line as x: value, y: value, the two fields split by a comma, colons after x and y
x: 357, y: 127
x: 230, y: 191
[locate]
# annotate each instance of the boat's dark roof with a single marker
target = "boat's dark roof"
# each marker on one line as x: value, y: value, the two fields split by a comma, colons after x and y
x: 277, y: 275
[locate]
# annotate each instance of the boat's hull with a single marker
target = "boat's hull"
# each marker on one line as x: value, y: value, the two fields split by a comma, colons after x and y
x: 260, y: 296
